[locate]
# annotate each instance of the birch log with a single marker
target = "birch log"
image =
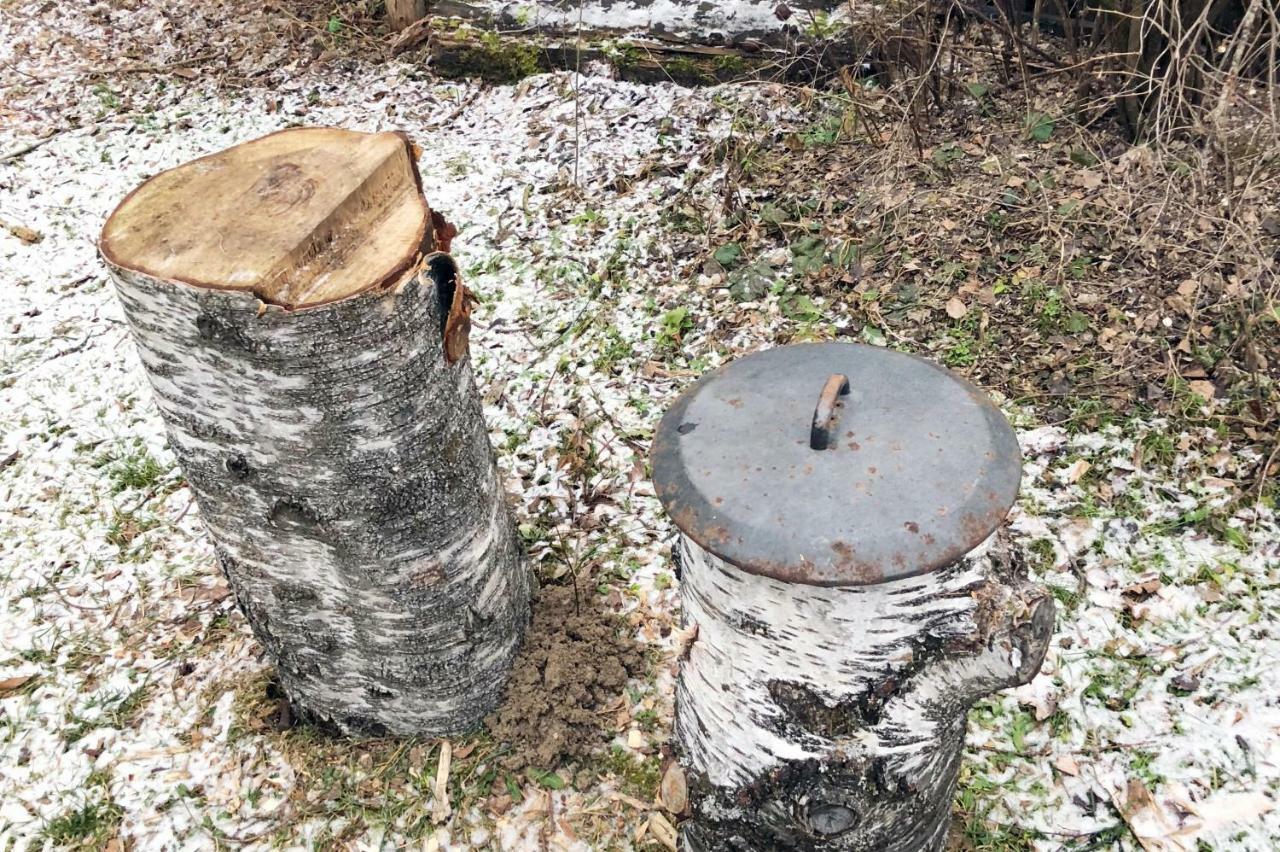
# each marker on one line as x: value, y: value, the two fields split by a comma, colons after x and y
x: 295, y: 338
x: 820, y: 718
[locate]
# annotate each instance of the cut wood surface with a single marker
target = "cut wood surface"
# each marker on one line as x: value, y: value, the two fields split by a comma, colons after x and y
x: 337, y: 451
x: 298, y: 218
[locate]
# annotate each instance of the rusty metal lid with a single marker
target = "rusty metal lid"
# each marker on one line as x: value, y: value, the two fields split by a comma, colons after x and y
x: 836, y: 464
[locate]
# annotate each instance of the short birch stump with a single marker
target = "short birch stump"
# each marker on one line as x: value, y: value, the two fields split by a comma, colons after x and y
x: 305, y: 334
x: 849, y: 592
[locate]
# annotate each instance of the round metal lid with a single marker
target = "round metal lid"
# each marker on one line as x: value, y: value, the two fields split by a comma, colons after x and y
x: 835, y: 464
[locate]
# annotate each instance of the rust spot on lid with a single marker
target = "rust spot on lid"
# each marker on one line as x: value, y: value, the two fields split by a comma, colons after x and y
x: 847, y: 561
x: 912, y: 526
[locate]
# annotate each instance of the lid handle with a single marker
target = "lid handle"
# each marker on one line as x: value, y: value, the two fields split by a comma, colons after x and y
x: 824, y: 416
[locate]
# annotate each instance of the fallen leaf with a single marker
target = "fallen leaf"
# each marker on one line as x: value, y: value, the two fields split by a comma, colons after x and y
x: 216, y: 593
x: 11, y: 683
x: 1226, y: 809
x: 1203, y: 389
x: 1088, y: 180
x: 956, y: 308
x: 1066, y: 764
x: 1147, y: 585
x: 1078, y: 469
x: 673, y: 792
x: 1145, y: 818
x: 22, y: 232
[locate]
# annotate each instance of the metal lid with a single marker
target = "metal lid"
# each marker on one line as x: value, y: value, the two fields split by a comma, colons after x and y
x: 836, y: 464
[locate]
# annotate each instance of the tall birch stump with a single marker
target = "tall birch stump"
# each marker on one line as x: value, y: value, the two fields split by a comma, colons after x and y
x: 849, y: 592
x: 305, y: 334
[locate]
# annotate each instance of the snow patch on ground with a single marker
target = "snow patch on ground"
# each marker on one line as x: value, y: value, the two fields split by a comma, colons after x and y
x: 111, y: 603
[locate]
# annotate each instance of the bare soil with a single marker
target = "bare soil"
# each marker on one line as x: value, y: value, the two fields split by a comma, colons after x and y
x: 568, y: 679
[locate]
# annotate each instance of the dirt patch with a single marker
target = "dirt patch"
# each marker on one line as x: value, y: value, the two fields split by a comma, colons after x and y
x: 569, y: 676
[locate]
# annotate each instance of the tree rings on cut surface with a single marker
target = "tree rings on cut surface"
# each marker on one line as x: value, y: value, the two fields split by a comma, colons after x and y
x: 299, y: 218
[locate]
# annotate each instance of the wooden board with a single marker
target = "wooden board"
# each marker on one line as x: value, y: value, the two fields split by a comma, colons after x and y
x: 301, y: 217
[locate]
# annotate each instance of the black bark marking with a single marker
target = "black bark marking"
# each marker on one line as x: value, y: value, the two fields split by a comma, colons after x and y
x: 294, y: 593
x: 829, y: 806
x: 806, y: 712
x: 293, y: 516
x: 238, y: 467
x: 214, y: 330
x: 748, y: 623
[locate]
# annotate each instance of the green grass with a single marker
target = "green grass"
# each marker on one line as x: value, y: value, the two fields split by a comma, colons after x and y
x: 973, y: 821
x: 89, y: 826
x: 137, y: 470
x: 124, y: 528
x: 1041, y: 555
x: 118, y: 711
x: 1068, y: 598
x: 638, y: 778
x: 1140, y: 762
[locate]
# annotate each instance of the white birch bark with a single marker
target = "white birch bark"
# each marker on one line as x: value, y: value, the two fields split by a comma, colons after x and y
x: 734, y: 19
x: 343, y: 469
x: 817, y: 718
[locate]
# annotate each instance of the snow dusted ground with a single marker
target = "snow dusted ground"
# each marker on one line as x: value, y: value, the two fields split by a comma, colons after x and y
x: 1154, y: 722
